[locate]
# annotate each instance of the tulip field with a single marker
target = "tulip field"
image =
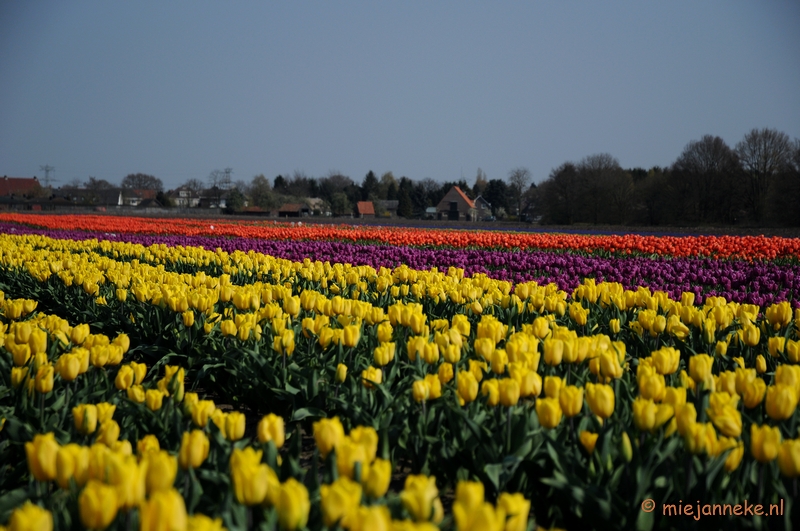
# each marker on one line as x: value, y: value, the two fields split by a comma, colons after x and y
x: 180, y: 374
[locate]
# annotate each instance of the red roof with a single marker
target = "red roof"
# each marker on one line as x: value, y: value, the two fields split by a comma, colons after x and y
x: 365, y: 208
x: 18, y: 185
x: 463, y: 195
x: 291, y: 207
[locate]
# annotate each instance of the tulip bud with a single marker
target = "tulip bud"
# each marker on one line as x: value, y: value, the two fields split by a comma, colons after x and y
x: 341, y: 373
x: 570, y: 398
x: 145, y: 445
x: 467, y: 386
x: 588, y: 440
x: 625, y: 447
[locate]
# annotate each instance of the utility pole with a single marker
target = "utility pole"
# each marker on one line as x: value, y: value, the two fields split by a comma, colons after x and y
x: 47, y: 169
x: 226, y: 180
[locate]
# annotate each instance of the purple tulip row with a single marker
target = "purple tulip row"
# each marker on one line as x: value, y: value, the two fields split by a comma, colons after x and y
x: 760, y: 283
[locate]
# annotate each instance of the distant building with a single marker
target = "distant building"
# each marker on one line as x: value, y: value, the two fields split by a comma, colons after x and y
x: 293, y: 210
x: 386, y: 208
x: 365, y: 209
x: 183, y: 197
x: 483, y: 207
x: 455, y: 206
x: 19, y: 186
x: 134, y: 197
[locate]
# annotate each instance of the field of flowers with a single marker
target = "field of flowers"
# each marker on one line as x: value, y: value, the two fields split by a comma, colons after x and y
x: 197, y: 374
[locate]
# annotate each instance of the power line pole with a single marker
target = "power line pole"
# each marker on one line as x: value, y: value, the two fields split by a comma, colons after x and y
x: 226, y: 182
x: 47, y: 169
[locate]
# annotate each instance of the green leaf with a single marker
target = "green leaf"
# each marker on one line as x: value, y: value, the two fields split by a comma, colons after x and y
x: 306, y: 412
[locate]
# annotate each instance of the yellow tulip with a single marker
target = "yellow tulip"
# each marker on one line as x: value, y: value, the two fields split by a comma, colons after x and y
x: 420, y: 390
x: 164, y: 511
x: 153, y: 399
x: 781, y: 401
x: 271, y: 428
x: 761, y: 364
x: 234, y: 425
x: 30, y: 517
x: 789, y: 458
x: 97, y: 505
x: 570, y: 398
x: 250, y: 477
x: 736, y: 452
x: 339, y: 502
x: 371, y: 376
x: 68, y: 367
x: 162, y: 467
x: 552, y: 386
x: 194, y: 449
x: 341, y: 373
x: 513, y: 511
x: 764, y: 442
x: 72, y: 462
x: 44, y: 379
x: 588, y: 440
x: 128, y: 477
x: 85, y: 417
x: 293, y: 505
x: 420, y: 498
x: 378, y: 478
x: 145, y: 445
x: 549, y: 412
x: 445, y: 373
x: 509, y: 392
x: 202, y: 411
x: 601, y: 399
x: 384, y: 353
x: 700, y: 367
x: 41, y: 455
x: 328, y: 433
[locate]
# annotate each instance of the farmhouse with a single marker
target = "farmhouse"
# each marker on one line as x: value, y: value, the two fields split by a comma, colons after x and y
x: 365, y: 209
x: 456, y: 206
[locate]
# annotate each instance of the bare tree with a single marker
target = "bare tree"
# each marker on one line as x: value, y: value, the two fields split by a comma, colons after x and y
x: 97, y: 184
x: 195, y: 185
x: 518, y: 179
x: 480, y: 182
x: 142, y: 181
x: 598, y: 174
x: 559, y: 195
x: 708, y: 168
x: 764, y: 154
x: 75, y: 183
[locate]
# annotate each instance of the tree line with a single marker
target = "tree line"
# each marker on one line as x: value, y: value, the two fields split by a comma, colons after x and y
x: 710, y: 183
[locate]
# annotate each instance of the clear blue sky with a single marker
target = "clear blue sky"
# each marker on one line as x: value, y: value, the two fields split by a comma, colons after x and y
x: 424, y: 89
